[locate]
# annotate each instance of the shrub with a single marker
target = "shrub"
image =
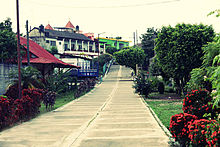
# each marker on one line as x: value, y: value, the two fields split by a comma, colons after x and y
x: 197, y: 102
x: 179, y: 126
x: 49, y: 99
x: 85, y: 86
x: 197, y: 132
x: 161, y: 87
x: 5, y: 112
x: 142, y: 86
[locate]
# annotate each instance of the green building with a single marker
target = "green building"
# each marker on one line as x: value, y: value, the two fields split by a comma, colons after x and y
x: 114, y: 42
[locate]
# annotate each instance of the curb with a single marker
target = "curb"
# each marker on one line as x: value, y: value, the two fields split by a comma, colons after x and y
x: 166, y: 131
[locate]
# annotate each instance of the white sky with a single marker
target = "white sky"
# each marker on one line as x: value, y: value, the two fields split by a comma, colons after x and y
x: 114, y: 17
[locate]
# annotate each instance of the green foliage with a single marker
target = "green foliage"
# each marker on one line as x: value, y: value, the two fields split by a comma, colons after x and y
x: 142, y: 85
x: 102, y: 60
x: 8, y: 43
x: 130, y: 57
x: 216, y: 13
x: 161, y: 87
x: 59, y: 82
x: 211, y: 50
x: 30, y: 77
x: 53, y: 50
x: 215, y: 78
x: 197, y: 79
x: 179, y: 50
x: 111, y: 50
x: 147, y: 43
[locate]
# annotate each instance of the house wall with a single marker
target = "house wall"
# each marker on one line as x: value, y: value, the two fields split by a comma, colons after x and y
x: 119, y: 44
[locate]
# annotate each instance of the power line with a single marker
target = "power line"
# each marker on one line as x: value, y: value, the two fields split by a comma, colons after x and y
x: 112, y: 6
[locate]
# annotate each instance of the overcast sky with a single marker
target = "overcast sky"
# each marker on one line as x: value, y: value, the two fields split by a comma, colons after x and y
x: 114, y: 17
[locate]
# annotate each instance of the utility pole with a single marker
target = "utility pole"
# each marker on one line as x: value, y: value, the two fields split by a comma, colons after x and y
x: 134, y: 40
x: 28, y: 51
x: 18, y: 51
x: 137, y: 36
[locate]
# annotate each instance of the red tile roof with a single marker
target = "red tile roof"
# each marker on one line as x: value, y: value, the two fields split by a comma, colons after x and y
x: 49, y: 27
x: 69, y: 25
x: 42, y: 56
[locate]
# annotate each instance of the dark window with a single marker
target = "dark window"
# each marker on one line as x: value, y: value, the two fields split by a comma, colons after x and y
x: 80, y: 47
x: 47, y: 41
x: 53, y: 43
x: 59, y: 43
x: 73, y: 47
x: 66, y: 47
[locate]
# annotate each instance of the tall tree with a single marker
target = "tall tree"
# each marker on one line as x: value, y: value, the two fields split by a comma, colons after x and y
x: 7, y: 41
x: 111, y: 49
x: 130, y: 57
x: 147, y: 44
x: 179, y: 50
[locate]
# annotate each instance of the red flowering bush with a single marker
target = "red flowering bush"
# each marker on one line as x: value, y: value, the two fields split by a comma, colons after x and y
x: 5, y: 112
x: 197, y: 102
x: 179, y: 126
x: 197, y: 132
x: 23, y: 108
x: 213, y: 134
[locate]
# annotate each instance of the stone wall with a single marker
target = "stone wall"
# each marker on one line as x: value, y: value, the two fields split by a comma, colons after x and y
x: 5, y: 69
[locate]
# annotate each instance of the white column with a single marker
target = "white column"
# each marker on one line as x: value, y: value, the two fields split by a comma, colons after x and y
x: 94, y: 47
x: 104, y: 48
x: 88, y: 46
x: 82, y: 45
x: 76, y: 45
x: 63, y: 42
x: 70, y: 42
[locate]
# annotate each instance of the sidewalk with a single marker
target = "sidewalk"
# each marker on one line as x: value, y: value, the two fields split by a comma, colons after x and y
x: 109, y: 116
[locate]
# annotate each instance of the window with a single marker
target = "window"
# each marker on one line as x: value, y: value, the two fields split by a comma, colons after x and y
x: 73, y: 47
x: 47, y: 41
x: 80, y: 47
x: 53, y: 43
x: 59, y: 43
x: 66, y: 47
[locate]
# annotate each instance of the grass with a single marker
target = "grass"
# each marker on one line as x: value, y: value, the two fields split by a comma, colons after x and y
x: 165, y: 108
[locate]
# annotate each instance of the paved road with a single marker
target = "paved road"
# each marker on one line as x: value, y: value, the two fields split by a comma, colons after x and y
x: 109, y: 116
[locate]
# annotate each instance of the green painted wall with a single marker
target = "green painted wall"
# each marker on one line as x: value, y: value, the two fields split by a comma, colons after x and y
x: 118, y: 43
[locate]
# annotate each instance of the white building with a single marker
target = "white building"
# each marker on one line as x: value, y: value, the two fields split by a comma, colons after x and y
x: 69, y: 41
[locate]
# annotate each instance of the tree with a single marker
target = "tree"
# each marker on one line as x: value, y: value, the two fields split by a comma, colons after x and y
x: 130, y: 57
x: 216, y: 13
x: 179, y: 50
x: 147, y: 43
x: 111, y: 50
x: 53, y: 50
x: 8, y: 43
x: 102, y: 60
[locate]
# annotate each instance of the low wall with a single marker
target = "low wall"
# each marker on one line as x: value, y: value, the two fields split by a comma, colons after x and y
x: 5, y: 69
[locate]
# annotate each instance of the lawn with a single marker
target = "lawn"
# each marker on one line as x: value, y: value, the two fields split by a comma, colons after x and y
x: 165, y: 107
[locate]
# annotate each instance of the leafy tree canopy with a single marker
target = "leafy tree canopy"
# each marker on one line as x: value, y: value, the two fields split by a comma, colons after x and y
x: 8, y: 43
x: 130, y: 57
x: 179, y: 50
x: 147, y: 43
x: 111, y: 50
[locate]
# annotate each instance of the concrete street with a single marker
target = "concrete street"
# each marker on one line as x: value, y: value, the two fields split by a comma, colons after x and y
x: 109, y: 116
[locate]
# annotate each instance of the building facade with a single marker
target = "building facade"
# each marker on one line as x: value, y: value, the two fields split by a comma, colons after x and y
x: 69, y: 41
x: 113, y: 42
